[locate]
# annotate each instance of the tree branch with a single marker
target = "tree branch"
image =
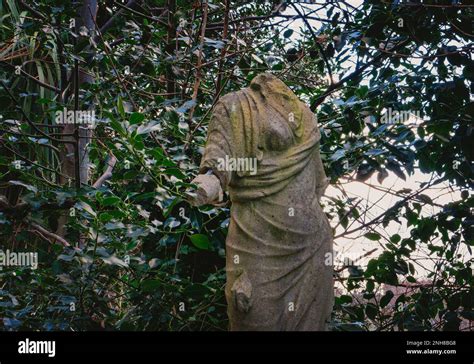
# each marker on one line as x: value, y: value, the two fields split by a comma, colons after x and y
x: 353, y: 75
x: 315, y: 38
x: 108, y: 172
x: 49, y: 234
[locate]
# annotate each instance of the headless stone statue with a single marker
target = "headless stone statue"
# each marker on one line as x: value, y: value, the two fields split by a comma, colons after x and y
x: 263, y: 148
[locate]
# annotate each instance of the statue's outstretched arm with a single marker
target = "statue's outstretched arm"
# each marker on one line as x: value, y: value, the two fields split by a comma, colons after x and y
x: 208, y: 191
x: 211, y: 180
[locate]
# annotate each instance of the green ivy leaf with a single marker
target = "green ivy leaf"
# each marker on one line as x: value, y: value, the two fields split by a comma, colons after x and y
x: 385, y: 300
x: 136, y: 118
x: 372, y: 236
x: 200, y: 241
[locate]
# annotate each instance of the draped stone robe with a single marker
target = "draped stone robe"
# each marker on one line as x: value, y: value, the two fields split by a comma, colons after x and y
x: 277, y: 272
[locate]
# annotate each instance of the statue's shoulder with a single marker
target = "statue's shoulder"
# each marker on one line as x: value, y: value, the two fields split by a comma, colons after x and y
x: 308, y: 113
x: 229, y: 103
x: 231, y: 97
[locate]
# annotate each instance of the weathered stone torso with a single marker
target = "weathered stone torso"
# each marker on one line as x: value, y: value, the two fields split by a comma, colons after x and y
x: 278, y: 235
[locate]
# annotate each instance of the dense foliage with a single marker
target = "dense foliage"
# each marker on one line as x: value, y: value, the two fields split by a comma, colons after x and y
x: 130, y: 252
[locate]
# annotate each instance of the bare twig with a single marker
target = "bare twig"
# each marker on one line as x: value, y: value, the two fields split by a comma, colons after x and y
x: 108, y: 172
x: 42, y: 84
x: 353, y: 75
x: 49, y: 234
x: 315, y: 38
